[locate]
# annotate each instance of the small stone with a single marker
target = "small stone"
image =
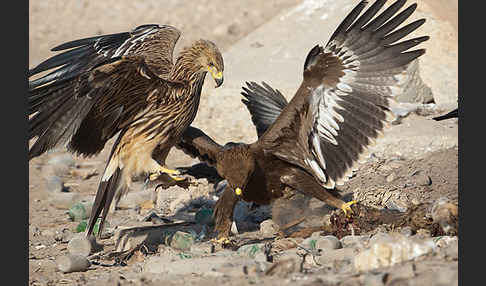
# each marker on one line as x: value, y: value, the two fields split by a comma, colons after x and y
x: 390, y: 178
x: 54, y: 184
x: 181, y: 240
x: 64, y: 236
x: 251, y: 250
x: 445, y: 213
x: 421, y: 179
x: 72, y: 263
x: 392, y: 250
x: 335, y: 255
x: 63, y: 200
x: 82, y: 245
x: 268, y: 228
x: 354, y: 240
x: 374, y: 279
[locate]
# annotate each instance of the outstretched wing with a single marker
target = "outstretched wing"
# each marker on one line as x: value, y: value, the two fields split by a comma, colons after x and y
x: 155, y: 43
x: 264, y: 104
x: 342, y: 105
x: 86, y: 111
x: 195, y: 143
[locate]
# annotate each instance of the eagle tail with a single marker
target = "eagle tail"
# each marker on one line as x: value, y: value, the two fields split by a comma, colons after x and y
x: 112, y: 182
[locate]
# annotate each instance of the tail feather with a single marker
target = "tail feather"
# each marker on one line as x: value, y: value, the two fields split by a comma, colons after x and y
x: 109, y: 186
x: 104, y: 197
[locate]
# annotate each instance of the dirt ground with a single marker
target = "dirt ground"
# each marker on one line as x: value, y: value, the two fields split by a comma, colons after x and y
x: 389, y: 181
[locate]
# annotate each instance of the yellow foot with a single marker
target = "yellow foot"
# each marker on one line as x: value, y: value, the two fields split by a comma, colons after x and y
x: 223, y: 240
x: 171, y: 173
x: 346, y: 207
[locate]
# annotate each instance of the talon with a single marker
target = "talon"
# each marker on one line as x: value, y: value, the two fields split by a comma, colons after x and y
x: 177, y: 178
x: 223, y: 240
x: 346, y: 207
x: 171, y: 173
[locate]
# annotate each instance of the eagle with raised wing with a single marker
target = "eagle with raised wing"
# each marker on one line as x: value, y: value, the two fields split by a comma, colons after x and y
x: 312, y: 143
x: 127, y: 84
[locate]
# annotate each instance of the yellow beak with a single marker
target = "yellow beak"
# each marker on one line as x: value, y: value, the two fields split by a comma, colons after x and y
x: 217, y: 75
x: 238, y: 191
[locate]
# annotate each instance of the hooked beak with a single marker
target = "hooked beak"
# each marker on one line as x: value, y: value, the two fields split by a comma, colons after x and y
x: 219, y: 81
x: 217, y: 75
x: 238, y: 191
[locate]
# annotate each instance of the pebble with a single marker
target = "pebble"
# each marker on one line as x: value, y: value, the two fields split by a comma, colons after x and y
x: 82, y: 245
x: 354, y: 240
x: 327, y: 242
x: 386, y: 252
x: 421, y: 179
x: 251, y: 250
x: 374, y: 279
x: 63, y: 200
x: 390, y: 178
x: 445, y: 213
x: 64, y: 236
x: 334, y: 255
x: 54, y: 184
x: 61, y: 164
x: 268, y: 228
x: 72, y: 263
x: 181, y: 240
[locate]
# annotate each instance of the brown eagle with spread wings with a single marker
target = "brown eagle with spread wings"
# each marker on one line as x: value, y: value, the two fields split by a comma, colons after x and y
x: 313, y: 142
x: 126, y: 84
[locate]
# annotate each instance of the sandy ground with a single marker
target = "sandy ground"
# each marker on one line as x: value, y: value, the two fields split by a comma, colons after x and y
x: 415, y: 163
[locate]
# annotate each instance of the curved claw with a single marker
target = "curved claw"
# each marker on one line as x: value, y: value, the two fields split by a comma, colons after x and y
x: 346, y: 207
x: 222, y: 240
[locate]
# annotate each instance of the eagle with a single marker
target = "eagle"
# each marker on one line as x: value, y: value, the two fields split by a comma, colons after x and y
x: 314, y: 142
x: 127, y: 84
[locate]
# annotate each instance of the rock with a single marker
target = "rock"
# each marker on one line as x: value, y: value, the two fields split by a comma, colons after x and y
x: 285, y: 266
x: 421, y: 179
x: 54, y: 184
x: 133, y: 199
x: 180, y: 240
x: 336, y: 255
x: 387, y: 252
x: 404, y: 271
x: 63, y: 200
x: 61, y: 164
x: 64, y: 236
x: 374, y: 279
x: 354, y: 240
x: 445, y: 213
x: 251, y: 250
x: 72, y: 263
x: 82, y: 245
x: 268, y: 228
x: 327, y: 242
x: 390, y: 178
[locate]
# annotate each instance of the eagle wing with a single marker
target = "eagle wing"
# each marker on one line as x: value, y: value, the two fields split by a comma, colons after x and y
x: 99, y: 86
x: 86, y: 111
x: 155, y: 42
x: 342, y: 105
x: 264, y: 104
x: 197, y: 144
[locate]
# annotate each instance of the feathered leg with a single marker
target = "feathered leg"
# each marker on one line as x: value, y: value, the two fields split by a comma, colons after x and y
x: 302, y: 181
x: 223, y: 214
